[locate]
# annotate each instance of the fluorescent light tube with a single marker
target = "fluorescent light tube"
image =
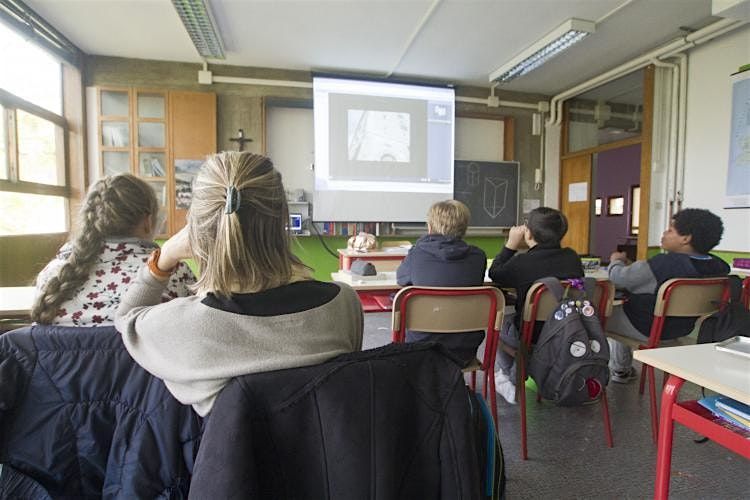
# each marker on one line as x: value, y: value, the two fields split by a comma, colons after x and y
x: 200, y: 25
x: 544, y: 49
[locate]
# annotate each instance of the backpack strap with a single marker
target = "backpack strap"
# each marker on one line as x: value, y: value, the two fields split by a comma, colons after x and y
x: 589, y: 286
x: 553, y: 285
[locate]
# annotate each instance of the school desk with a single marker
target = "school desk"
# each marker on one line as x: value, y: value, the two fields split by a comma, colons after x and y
x: 721, y: 372
x: 383, y: 260
x: 15, y: 306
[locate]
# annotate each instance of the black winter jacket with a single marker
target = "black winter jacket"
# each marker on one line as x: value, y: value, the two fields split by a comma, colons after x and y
x: 435, y: 260
x: 81, y: 418
x: 520, y: 270
x: 387, y: 423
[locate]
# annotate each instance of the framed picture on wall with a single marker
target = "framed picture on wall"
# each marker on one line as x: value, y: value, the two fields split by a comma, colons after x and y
x: 635, y: 204
x: 598, y: 207
x: 615, y: 205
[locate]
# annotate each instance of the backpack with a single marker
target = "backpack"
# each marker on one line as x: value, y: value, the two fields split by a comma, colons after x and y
x: 570, y: 360
x: 731, y: 320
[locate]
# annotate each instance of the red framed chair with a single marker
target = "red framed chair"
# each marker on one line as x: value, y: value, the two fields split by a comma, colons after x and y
x: 745, y: 297
x: 539, y: 305
x: 454, y: 310
x: 678, y: 297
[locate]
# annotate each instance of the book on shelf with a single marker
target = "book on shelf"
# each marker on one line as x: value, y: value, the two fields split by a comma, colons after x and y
x: 728, y: 409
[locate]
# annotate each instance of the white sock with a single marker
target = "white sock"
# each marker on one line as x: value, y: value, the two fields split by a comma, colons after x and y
x: 505, y: 387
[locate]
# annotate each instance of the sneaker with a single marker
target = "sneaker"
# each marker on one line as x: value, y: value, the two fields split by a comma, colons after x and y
x: 623, y: 377
x: 505, y: 387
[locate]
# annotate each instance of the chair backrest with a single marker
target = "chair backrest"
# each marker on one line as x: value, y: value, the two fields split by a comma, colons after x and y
x: 688, y: 297
x: 745, y: 296
x: 447, y: 310
x: 540, y: 303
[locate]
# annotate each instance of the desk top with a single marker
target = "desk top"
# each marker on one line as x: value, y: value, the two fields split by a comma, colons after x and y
x: 395, y: 252
x: 16, y: 300
x: 702, y: 364
x: 386, y: 281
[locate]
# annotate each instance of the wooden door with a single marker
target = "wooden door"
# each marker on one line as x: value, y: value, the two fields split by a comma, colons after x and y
x: 575, y: 183
x: 193, y: 126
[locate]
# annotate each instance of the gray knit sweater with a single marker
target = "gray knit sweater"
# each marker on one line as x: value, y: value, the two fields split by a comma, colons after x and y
x: 196, y: 349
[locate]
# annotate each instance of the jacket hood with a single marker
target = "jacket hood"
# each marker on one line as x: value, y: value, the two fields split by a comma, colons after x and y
x: 443, y: 248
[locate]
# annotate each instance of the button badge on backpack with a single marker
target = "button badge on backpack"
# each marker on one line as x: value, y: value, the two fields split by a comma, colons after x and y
x: 577, y: 349
x: 588, y: 310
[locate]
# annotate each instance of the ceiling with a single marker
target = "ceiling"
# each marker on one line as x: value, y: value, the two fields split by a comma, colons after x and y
x: 451, y: 41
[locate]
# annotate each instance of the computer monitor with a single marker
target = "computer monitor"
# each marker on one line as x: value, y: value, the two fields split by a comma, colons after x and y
x: 295, y: 222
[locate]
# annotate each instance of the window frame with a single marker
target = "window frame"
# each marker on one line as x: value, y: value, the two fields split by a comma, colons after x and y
x: 10, y: 104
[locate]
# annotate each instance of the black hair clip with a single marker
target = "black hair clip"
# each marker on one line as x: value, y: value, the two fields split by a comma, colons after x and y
x: 234, y: 200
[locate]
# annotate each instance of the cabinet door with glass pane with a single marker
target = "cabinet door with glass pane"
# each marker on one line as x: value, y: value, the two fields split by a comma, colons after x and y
x: 114, y: 131
x: 133, y: 138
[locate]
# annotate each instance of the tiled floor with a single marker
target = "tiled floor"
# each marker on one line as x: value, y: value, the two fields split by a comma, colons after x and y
x: 568, y: 456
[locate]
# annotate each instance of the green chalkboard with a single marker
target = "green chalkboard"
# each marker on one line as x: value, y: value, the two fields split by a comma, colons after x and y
x: 490, y: 190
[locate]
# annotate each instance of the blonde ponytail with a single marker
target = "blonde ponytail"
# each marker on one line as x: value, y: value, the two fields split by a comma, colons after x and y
x: 247, y: 245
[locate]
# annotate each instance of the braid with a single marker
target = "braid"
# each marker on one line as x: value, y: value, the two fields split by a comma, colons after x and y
x: 113, y: 207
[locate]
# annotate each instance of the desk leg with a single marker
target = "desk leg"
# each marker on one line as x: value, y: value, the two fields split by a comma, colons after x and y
x: 666, y: 426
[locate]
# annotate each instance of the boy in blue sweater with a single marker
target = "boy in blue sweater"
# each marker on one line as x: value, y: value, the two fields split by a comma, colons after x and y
x: 443, y: 258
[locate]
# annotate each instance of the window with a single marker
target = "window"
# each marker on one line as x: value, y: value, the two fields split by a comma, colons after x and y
x: 616, y: 205
x: 29, y: 72
x: 635, y: 205
x: 33, y: 183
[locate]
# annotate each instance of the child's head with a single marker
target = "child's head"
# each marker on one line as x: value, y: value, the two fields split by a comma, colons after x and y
x: 237, y: 225
x: 693, y: 227
x: 117, y: 206
x: 547, y: 226
x: 449, y: 218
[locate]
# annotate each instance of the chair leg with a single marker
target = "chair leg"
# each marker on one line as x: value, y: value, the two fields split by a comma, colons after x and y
x: 474, y: 382
x: 643, y: 380
x: 538, y: 397
x: 607, y: 423
x: 652, y: 402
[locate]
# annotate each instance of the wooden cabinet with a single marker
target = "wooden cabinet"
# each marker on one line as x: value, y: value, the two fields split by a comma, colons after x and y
x: 161, y: 136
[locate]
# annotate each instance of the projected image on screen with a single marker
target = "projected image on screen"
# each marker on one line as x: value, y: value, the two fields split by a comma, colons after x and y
x: 378, y: 135
x: 378, y: 141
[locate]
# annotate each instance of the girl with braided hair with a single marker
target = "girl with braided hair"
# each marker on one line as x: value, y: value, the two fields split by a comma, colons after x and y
x: 82, y: 286
x: 257, y: 308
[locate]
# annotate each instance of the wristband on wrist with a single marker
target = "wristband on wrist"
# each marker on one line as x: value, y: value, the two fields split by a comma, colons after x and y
x: 152, y: 261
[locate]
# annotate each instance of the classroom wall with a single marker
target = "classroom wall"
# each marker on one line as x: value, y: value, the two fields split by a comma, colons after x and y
x: 242, y: 106
x: 708, y: 129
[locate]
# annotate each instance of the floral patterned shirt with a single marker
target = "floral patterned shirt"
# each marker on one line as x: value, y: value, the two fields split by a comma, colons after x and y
x: 96, y: 301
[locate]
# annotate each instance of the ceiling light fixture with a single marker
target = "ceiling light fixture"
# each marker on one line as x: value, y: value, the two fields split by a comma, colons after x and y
x: 544, y: 49
x: 201, y: 26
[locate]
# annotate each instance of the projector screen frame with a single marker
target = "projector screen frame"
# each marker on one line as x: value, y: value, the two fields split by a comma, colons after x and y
x: 397, y: 178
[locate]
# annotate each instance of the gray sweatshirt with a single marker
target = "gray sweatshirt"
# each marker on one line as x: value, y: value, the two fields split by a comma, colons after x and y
x: 196, y: 348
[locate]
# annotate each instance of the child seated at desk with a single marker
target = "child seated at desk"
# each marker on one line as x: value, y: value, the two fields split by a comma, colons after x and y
x: 257, y: 308
x: 691, y: 234
x: 83, y: 284
x: 542, y: 233
x: 443, y: 258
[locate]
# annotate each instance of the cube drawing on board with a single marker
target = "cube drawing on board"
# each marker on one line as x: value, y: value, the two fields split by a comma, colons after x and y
x: 494, y: 196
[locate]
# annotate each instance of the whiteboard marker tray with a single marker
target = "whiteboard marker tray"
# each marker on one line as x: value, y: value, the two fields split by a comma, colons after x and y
x: 735, y: 345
